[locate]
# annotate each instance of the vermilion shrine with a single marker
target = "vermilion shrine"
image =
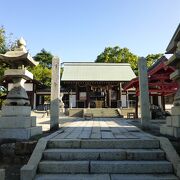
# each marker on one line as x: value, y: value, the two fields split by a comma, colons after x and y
x: 160, y: 84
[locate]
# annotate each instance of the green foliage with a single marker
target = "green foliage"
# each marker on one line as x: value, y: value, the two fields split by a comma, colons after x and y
x: 61, y: 72
x: 3, y: 92
x: 118, y: 55
x: 42, y: 74
x: 3, y: 67
x: 6, y: 44
x: 123, y: 55
x: 2, y: 41
x: 44, y: 58
x: 152, y: 58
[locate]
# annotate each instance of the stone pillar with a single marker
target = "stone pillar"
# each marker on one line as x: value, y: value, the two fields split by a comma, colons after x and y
x: 34, y: 101
x: 159, y: 102
x: 109, y: 98
x: 55, y: 94
x: 144, y: 93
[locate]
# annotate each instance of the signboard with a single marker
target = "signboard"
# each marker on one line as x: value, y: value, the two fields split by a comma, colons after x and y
x: 82, y: 96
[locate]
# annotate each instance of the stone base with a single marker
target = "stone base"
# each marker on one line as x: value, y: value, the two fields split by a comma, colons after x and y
x: 163, y: 129
x: 169, y: 120
x: 2, y: 174
x: 20, y: 133
x: 17, y: 122
x: 170, y: 130
x: 175, y: 111
x: 167, y: 130
x: 16, y: 111
x: 176, y: 132
x: 176, y: 121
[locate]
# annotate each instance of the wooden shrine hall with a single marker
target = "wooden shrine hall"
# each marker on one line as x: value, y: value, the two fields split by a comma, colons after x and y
x: 161, y: 87
x: 95, y: 85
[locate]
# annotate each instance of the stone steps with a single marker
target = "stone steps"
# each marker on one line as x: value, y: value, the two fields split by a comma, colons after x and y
x: 103, y: 154
x: 108, y: 167
x: 104, y: 143
x: 104, y: 159
x: 105, y: 177
x: 103, y: 112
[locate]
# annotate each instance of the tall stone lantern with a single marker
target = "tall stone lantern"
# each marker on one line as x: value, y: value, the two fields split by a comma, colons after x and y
x: 16, y: 120
x: 172, y: 126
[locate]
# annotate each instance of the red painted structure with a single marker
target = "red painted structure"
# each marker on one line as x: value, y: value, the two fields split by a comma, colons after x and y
x: 159, y: 80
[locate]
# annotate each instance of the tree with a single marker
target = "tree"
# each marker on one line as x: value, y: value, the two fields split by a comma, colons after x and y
x: 118, y: 55
x: 44, y: 58
x: 42, y: 74
x: 152, y: 58
x: 123, y: 55
x: 6, y: 44
x: 3, y: 92
x: 2, y: 41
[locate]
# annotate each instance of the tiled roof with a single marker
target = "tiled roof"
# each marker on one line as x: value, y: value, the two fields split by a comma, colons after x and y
x: 97, y: 72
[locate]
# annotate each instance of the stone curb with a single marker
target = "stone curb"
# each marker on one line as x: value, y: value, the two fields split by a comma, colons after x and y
x: 2, y: 174
x: 28, y: 171
x: 171, y: 154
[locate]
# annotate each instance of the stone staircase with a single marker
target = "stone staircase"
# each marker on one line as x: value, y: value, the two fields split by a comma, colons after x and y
x: 103, y: 112
x: 104, y: 159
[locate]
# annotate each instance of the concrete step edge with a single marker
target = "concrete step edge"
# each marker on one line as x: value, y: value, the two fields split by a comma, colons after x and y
x: 105, y: 177
x: 103, y: 154
x: 104, y: 143
x: 101, y: 167
x: 101, y: 150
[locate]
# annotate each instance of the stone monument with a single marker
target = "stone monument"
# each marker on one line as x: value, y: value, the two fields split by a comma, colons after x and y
x: 172, y: 126
x: 144, y: 93
x: 55, y: 94
x: 16, y: 120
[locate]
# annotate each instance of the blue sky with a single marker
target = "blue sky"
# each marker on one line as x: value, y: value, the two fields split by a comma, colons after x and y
x: 79, y: 30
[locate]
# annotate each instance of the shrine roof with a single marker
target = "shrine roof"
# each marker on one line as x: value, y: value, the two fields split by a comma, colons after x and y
x: 173, y: 42
x: 157, y: 73
x: 97, y: 72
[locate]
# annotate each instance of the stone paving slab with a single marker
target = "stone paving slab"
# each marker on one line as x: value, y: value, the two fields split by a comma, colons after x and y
x: 104, y: 143
x: 85, y: 154
x: 143, y: 177
x: 155, y: 167
x: 100, y: 128
x: 105, y: 177
x: 64, y: 167
x: 73, y: 177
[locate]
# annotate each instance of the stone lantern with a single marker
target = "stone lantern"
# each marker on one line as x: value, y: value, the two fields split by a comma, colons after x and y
x: 16, y: 120
x: 172, y: 126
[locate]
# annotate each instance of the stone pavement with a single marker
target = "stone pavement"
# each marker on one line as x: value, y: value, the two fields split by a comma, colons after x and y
x: 100, y: 128
x: 44, y: 121
x: 102, y: 148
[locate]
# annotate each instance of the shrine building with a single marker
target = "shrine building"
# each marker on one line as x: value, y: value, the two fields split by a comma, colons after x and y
x: 161, y: 87
x: 96, y: 85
